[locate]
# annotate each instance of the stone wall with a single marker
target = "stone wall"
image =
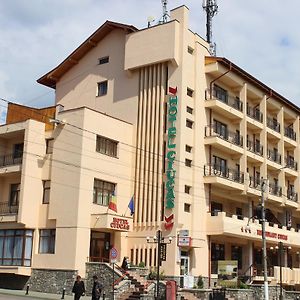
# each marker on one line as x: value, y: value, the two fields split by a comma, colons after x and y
x: 105, y: 276
x: 52, y: 281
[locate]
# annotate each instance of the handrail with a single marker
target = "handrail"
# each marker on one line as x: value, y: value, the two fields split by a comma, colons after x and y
x: 10, y: 160
x: 273, y: 124
x: 290, y: 163
x: 274, y: 156
x: 254, y: 113
x: 230, y: 174
x: 254, y: 147
x: 8, y: 208
x: 274, y: 189
x: 290, y: 133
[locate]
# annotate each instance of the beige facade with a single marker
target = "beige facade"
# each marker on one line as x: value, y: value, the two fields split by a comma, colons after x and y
x: 230, y: 131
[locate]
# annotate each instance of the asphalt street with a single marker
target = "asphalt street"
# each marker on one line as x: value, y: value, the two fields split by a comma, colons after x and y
x: 12, y: 297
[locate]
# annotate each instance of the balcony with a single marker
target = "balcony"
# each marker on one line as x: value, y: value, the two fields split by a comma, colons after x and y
x: 255, y: 183
x: 254, y: 113
x: 221, y: 101
x: 273, y: 124
x: 290, y: 163
x: 224, y: 177
x: 290, y: 133
x: 275, y: 190
x: 10, y: 160
x: 232, y: 226
x: 255, y: 148
x: 8, y: 212
x: 274, y: 156
x: 292, y: 195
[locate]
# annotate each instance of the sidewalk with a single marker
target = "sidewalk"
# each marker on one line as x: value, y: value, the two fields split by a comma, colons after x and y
x: 38, y: 295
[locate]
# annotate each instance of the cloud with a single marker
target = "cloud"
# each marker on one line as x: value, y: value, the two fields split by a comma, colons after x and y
x: 36, y: 35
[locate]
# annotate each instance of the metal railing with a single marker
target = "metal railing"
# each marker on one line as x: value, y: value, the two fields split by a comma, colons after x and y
x: 275, y: 190
x: 292, y: 195
x: 290, y: 133
x: 274, y: 156
x: 233, y: 102
x: 256, y: 148
x: 226, y: 135
x: 273, y: 124
x: 290, y: 163
x: 254, y: 113
x: 10, y: 160
x: 6, y: 208
x: 97, y: 259
x: 219, y: 171
x: 255, y: 182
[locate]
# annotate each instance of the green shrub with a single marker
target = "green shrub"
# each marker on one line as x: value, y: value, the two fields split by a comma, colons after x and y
x: 200, y: 283
x: 141, y: 264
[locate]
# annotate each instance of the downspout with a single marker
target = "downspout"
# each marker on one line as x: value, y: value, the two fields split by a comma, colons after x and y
x: 211, y: 83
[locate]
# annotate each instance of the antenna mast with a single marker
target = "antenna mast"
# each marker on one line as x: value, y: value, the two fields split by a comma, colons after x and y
x: 166, y: 15
x: 211, y: 8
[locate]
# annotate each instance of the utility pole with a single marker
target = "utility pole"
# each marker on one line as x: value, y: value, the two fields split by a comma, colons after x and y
x: 280, y: 269
x: 263, y: 227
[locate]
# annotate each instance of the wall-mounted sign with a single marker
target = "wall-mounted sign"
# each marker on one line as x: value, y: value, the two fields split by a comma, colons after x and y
x: 228, y: 273
x: 274, y: 235
x: 171, y: 155
x: 119, y: 223
x: 163, y: 252
x: 184, y: 241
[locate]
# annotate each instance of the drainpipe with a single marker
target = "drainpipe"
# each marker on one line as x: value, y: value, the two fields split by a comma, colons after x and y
x: 212, y: 82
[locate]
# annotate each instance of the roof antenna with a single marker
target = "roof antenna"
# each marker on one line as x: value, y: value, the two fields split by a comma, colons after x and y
x: 166, y: 15
x: 211, y: 8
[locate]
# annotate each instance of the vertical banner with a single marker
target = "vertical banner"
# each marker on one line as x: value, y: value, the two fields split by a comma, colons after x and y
x: 170, y: 157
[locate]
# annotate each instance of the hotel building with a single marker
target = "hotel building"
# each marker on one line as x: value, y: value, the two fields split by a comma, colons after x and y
x: 150, y: 114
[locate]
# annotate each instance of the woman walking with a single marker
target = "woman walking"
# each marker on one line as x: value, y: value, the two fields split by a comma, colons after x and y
x: 78, y: 288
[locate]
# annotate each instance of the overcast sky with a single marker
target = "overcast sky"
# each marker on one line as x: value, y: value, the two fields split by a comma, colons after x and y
x: 261, y: 36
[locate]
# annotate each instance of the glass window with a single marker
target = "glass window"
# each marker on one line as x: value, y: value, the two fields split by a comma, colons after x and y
x: 189, y: 92
x: 103, y: 60
x: 187, y: 207
x: 103, y: 192
x: 188, y: 148
x: 47, y: 241
x: 188, y: 162
x: 190, y: 50
x: 49, y: 146
x: 14, y: 245
x: 18, y: 150
x: 187, y: 189
x: 14, y: 194
x: 189, y: 123
x: 106, y: 146
x: 46, y: 191
x: 189, y: 110
x: 102, y: 88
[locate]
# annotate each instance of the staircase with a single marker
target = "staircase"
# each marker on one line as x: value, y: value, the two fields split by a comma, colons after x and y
x: 187, y: 296
x: 137, y: 287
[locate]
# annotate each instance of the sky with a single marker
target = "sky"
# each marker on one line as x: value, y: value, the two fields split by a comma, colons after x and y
x: 260, y: 36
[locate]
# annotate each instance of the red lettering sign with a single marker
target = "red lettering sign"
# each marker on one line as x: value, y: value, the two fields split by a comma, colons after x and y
x: 274, y: 235
x: 118, y: 223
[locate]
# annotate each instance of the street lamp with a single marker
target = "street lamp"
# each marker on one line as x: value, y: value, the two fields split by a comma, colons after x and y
x: 161, y: 253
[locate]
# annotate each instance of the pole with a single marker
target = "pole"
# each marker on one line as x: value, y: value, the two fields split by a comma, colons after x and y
x: 158, y: 262
x: 113, y: 285
x: 280, y: 269
x: 263, y: 225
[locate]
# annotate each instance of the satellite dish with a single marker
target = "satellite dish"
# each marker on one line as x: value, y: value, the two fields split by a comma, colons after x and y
x: 150, y: 19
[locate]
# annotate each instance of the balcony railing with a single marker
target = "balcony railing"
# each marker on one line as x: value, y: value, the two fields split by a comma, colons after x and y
x: 273, y: 124
x: 256, y: 148
x: 255, y: 182
x: 6, y: 208
x: 274, y: 156
x: 292, y: 195
x: 290, y: 133
x: 219, y: 171
x: 234, y: 102
x: 10, y: 160
x: 275, y: 190
x: 254, y: 113
x: 290, y: 163
x: 226, y: 135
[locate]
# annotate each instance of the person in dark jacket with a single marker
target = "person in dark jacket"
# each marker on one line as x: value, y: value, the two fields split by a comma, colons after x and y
x: 97, y: 288
x: 78, y: 288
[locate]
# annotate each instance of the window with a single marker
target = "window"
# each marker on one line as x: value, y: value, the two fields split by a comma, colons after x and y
x: 47, y: 241
x: 106, y: 146
x: 188, y: 162
x: 187, y: 207
x: 14, y: 194
x: 237, y: 254
x: 189, y: 92
x: 215, y: 208
x: 220, y: 165
x: 189, y: 110
x: 221, y: 129
x: 102, y: 88
x: 189, y: 123
x: 103, y: 60
x: 220, y: 93
x: 190, y: 50
x: 46, y: 191
x: 15, y: 247
x: 103, y: 192
x: 187, y: 189
x: 188, y: 148
x: 49, y: 146
x: 18, y: 150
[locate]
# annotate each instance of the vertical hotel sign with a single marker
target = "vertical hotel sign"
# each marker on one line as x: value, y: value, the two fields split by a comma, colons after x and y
x: 170, y: 157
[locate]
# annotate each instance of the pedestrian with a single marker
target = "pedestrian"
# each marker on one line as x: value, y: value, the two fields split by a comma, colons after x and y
x: 78, y: 288
x: 125, y: 264
x: 97, y: 288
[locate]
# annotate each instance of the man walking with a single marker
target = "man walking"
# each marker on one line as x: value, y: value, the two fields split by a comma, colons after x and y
x: 78, y: 288
x: 97, y: 288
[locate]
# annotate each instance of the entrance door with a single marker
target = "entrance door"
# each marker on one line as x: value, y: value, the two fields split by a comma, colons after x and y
x: 99, y: 247
x: 184, y: 269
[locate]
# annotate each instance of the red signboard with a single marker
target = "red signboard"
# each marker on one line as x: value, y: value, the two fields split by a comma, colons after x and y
x: 120, y: 224
x: 274, y: 235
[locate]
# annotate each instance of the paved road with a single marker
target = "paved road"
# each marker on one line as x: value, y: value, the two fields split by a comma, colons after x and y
x: 9, y: 297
